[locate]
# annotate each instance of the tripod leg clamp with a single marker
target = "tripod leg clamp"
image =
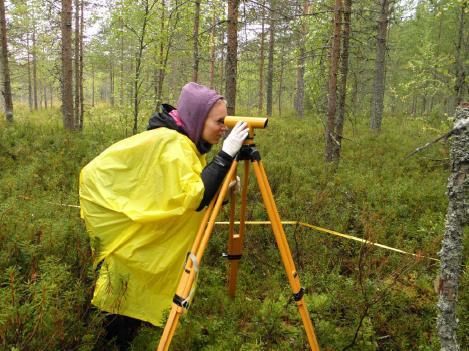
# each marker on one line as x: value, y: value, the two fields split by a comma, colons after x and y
x: 231, y: 257
x: 299, y: 295
x: 181, y: 302
x: 178, y: 300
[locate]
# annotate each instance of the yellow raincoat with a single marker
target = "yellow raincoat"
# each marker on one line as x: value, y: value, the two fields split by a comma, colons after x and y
x: 139, y: 199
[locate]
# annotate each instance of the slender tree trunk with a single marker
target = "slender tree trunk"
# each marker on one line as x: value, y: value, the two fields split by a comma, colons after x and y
x: 92, y: 85
x: 195, y: 66
x: 76, y: 63
x: 82, y: 97
x: 121, y: 66
x: 30, y: 88
x: 165, y: 56
x: 300, y: 71
x: 67, y: 69
x: 222, y: 79
x: 121, y: 72
x: 300, y: 82
x: 51, y: 94
x: 280, y: 80
x: 260, y: 103
x: 232, y: 56
x: 137, y: 85
x: 136, y: 89
x: 437, y: 54
x: 159, y: 72
x: 111, y: 82
x: 461, y: 52
x: 132, y: 85
x: 451, y: 253
x: 138, y: 64
x: 2, y: 82
x: 332, y: 88
x: 39, y: 87
x: 212, y: 51
x: 270, y: 67
x: 6, y: 71
x: 342, y: 93
x: 44, y: 87
x: 377, y: 105
x: 354, y: 97
x: 34, y: 55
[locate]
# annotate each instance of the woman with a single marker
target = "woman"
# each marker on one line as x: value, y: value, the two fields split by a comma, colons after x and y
x: 143, y: 199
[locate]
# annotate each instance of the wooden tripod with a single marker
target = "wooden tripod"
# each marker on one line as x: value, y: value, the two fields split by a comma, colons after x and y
x: 248, y: 153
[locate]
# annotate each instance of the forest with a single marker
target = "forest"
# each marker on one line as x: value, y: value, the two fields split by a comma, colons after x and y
x: 376, y: 218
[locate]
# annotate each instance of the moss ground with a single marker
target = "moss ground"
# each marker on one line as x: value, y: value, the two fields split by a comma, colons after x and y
x: 360, y: 297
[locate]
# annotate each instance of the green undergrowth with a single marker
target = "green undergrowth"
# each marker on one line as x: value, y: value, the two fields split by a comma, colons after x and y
x: 360, y: 297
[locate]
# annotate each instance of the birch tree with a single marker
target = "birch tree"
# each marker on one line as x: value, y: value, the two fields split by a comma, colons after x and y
x: 140, y: 31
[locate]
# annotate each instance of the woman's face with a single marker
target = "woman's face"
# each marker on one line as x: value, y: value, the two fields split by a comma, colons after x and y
x: 214, y: 129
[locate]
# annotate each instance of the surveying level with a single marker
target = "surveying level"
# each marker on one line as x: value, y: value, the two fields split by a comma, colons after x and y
x: 253, y: 122
x: 182, y: 298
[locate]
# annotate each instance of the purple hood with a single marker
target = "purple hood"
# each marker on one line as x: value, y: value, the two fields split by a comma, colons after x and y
x: 193, y: 106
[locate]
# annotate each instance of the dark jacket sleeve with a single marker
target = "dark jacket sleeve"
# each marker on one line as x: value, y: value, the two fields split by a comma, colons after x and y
x: 213, y: 175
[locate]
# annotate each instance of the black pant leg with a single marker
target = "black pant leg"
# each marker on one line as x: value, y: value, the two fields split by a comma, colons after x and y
x: 122, y: 329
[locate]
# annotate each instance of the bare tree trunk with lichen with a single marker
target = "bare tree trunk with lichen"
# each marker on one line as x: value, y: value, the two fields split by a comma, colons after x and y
x: 452, y: 246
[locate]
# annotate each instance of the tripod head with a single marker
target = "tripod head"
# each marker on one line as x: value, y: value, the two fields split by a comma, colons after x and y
x: 253, y: 123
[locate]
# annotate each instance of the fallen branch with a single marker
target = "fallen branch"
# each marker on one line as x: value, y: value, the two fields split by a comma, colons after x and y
x: 458, y: 127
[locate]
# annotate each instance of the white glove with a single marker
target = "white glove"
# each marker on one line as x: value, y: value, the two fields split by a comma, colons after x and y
x: 233, y: 188
x: 234, y: 141
x: 235, y: 185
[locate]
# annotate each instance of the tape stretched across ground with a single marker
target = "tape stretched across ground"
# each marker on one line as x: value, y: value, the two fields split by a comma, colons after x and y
x: 307, y: 225
x: 341, y: 235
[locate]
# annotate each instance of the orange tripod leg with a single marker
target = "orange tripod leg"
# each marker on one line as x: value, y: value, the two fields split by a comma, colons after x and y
x: 285, y: 253
x: 236, y: 241
x: 235, y: 247
x: 190, y: 268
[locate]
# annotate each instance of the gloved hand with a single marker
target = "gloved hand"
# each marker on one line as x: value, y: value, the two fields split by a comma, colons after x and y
x: 235, y: 185
x: 234, y: 140
x: 233, y: 188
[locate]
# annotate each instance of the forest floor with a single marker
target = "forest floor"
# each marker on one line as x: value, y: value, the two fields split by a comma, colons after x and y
x: 360, y: 297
